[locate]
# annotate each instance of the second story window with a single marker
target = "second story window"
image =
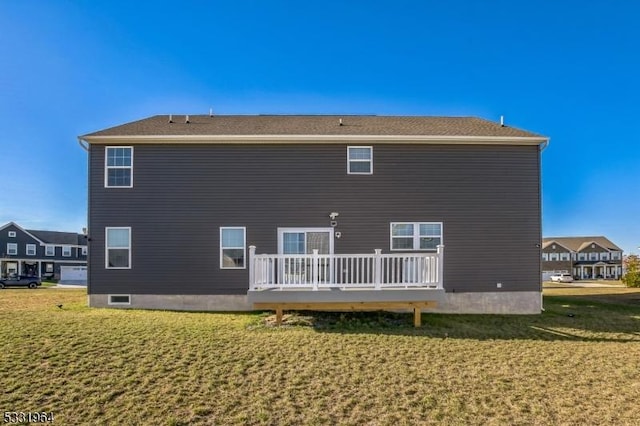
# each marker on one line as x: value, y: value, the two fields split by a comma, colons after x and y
x: 66, y: 251
x: 360, y: 160
x: 84, y: 251
x: 604, y: 256
x: 31, y: 249
x: 593, y: 256
x: 50, y: 250
x: 545, y: 257
x: 616, y: 255
x: 118, y: 171
x: 12, y: 249
x: 564, y: 256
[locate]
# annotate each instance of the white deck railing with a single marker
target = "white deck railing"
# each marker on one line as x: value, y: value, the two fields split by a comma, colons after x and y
x: 315, y: 271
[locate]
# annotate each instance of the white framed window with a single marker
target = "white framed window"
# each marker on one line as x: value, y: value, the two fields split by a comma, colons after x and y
x: 48, y: 268
x: 416, y: 235
x: 582, y: 256
x: 564, y: 256
x: 118, y: 247
x: 360, y: 160
x: 12, y: 234
x: 66, y: 251
x: 49, y: 250
x: 554, y: 257
x: 545, y: 256
x: 31, y: 249
x: 118, y: 167
x: 119, y: 299
x: 593, y: 256
x: 12, y: 249
x: 232, y: 247
x: 616, y: 255
x: 84, y: 251
x: 604, y: 256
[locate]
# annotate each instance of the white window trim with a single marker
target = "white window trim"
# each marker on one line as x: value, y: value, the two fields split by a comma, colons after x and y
x: 46, y: 250
x: 33, y: 252
x: 416, y: 235
x: 349, y: 161
x: 244, y: 247
x: 107, y: 168
x: 12, y: 234
x: 13, y: 251
x: 109, y: 302
x: 83, y: 251
x: 63, y: 251
x: 106, y: 247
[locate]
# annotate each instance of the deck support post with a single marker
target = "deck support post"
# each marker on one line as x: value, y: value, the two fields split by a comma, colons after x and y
x: 377, y: 269
x: 417, y: 317
x: 278, y: 317
x: 314, y: 269
x: 252, y: 272
x: 440, y: 252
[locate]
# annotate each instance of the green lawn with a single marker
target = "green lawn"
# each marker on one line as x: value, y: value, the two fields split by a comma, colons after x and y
x: 577, y: 363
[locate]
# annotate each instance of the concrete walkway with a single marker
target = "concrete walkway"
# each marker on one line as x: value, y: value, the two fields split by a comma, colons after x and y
x: 592, y: 284
x: 78, y: 286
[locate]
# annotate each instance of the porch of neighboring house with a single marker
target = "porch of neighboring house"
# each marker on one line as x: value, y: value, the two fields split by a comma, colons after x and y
x: 33, y: 268
x: 346, y: 282
x: 598, y: 270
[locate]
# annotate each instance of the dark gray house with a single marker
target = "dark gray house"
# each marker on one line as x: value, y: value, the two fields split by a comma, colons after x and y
x: 39, y: 253
x: 242, y: 212
x: 583, y: 257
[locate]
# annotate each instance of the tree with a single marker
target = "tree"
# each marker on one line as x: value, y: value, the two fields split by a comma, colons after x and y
x: 631, y: 278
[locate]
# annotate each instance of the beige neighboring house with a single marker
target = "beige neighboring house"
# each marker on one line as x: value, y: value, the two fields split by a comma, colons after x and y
x: 583, y: 257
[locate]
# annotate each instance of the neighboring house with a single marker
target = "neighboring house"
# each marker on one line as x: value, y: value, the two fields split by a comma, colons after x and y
x: 583, y: 257
x: 39, y: 253
x: 243, y: 212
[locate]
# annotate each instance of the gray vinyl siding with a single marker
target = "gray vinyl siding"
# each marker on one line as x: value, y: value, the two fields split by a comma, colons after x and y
x: 488, y: 198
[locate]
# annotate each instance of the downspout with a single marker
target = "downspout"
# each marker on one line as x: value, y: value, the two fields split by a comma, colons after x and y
x: 541, y: 148
x: 85, y: 145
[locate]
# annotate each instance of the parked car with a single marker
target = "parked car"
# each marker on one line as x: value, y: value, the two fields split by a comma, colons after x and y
x: 562, y: 278
x: 20, y: 281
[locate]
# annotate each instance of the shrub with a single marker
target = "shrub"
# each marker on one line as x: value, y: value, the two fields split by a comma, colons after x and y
x: 632, y: 277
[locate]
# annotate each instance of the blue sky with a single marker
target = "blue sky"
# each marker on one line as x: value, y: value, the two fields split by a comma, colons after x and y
x: 568, y: 70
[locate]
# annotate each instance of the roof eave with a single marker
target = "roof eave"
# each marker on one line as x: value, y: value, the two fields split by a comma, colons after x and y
x: 293, y: 139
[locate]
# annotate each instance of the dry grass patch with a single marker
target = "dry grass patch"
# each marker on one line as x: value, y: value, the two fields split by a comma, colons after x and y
x: 99, y: 366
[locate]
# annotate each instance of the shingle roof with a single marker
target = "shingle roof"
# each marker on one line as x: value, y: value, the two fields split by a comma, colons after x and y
x: 313, y: 125
x: 579, y: 243
x: 55, y: 237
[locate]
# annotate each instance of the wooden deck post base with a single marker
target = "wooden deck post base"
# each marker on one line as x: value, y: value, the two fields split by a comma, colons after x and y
x: 417, y: 317
x: 278, y: 316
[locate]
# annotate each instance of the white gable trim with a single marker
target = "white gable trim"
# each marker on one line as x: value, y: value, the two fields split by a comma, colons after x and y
x: 23, y: 230
x: 548, y: 243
